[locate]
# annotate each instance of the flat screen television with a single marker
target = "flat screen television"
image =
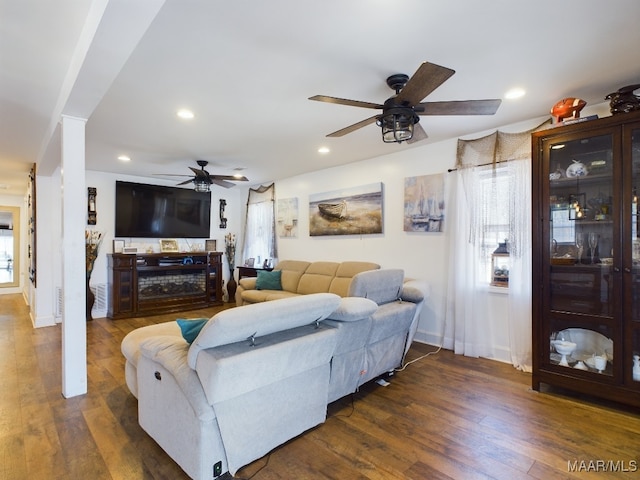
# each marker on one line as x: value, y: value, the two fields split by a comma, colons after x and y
x: 156, y: 211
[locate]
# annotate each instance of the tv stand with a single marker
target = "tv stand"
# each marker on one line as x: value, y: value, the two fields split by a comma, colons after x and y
x: 156, y: 283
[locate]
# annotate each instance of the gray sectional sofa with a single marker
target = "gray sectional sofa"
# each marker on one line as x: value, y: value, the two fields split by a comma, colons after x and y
x: 258, y: 375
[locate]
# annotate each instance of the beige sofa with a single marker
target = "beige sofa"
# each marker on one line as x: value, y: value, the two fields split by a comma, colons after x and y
x: 303, y: 278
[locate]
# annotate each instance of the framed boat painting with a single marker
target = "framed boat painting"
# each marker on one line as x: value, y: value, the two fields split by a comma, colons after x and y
x: 351, y: 211
x: 424, y: 203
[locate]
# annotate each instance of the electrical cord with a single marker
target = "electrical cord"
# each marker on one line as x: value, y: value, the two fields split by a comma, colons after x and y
x: 400, y: 369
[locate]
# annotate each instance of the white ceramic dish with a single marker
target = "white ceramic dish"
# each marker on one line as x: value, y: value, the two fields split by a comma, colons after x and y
x: 577, y: 169
x: 588, y: 342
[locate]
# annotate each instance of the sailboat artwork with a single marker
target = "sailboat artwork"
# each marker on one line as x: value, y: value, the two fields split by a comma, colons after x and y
x: 424, y: 203
x: 287, y: 219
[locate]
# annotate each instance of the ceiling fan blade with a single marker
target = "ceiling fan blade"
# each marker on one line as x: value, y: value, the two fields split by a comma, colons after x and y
x: 171, y: 175
x: 185, y: 182
x: 200, y: 172
x: 229, y: 177
x: 223, y: 183
x: 345, y: 101
x: 418, y: 134
x: 354, y: 127
x: 461, y: 107
x: 427, y: 78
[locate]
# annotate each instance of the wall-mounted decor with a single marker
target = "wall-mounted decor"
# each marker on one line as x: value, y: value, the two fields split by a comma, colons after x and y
x: 223, y: 219
x: 424, y: 203
x: 168, y: 245
x: 92, y: 215
x: 351, y: 211
x: 287, y: 222
x: 32, y: 225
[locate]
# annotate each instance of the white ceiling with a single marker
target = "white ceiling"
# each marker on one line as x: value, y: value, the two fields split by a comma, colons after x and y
x: 247, y: 68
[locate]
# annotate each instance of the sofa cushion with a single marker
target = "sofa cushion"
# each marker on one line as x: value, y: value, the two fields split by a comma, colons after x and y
x: 257, y: 296
x: 381, y: 286
x: 190, y: 327
x: 317, y: 278
x: 344, y: 274
x: 130, y: 345
x: 269, y: 280
x: 353, y: 308
x: 239, y: 324
x: 292, y: 270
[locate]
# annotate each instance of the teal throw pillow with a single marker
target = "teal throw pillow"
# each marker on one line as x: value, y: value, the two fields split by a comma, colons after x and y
x: 269, y: 280
x: 190, y: 327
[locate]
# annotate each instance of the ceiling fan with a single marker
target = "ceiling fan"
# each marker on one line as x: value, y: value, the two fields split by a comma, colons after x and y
x: 401, y: 112
x: 202, y: 180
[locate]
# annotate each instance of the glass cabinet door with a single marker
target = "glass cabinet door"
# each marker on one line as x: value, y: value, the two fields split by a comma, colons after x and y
x: 632, y: 290
x: 583, y: 232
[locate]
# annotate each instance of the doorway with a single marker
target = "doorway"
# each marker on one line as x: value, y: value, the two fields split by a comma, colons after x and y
x: 9, y: 247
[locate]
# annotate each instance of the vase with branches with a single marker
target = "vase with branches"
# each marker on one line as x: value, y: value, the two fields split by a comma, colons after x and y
x: 92, y: 240
x: 230, y: 250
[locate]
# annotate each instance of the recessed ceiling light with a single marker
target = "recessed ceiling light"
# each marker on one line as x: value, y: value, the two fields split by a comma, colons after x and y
x: 515, y: 93
x: 323, y: 150
x: 124, y: 158
x: 185, y: 114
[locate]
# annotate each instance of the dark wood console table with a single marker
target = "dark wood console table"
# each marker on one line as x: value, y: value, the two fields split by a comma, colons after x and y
x: 156, y: 283
x: 250, y: 271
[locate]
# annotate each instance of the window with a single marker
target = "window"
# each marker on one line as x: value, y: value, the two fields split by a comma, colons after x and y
x: 259, y: 233
x: 493, y: 188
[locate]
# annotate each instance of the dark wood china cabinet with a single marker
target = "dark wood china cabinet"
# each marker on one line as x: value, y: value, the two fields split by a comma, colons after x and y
x: 586, y: 257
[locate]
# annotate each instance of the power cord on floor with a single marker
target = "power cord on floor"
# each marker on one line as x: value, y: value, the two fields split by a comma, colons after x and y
x: 400, y: 369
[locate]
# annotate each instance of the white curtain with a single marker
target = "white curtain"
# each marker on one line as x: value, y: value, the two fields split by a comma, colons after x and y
x: 467, y: 313
x: 467, y: 316
x: 519, y: 319
x: 259, y: 233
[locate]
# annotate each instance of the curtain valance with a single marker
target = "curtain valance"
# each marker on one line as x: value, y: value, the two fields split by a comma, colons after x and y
x: 496, y: 147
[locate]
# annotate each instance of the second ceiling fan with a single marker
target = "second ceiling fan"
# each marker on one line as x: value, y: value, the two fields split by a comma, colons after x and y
x: 202, y: 180
x: 401, y: 112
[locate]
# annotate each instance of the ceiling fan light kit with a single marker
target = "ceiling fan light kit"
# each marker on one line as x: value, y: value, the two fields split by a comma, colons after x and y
x: 400, y: 113
x: 200, y: 185
x: 397, y: 124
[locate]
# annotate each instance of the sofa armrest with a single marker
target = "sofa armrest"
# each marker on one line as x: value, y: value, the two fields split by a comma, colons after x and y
x: 414, y: 291
x: 171, y: 352
x: 248, y: 283
x: 352, y: 309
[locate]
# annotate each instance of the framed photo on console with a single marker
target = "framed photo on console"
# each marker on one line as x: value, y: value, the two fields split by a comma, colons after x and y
x: 210, y: 245
x: 168, y: 245
x: 118, y: 246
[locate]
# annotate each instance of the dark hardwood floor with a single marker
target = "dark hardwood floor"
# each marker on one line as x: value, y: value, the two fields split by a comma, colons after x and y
x: 443, y: 417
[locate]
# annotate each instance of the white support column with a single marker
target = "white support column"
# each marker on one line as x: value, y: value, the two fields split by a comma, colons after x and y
x: 74, y: 327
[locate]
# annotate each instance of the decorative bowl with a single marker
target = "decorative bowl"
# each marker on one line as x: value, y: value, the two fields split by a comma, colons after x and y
x: 564, y: 347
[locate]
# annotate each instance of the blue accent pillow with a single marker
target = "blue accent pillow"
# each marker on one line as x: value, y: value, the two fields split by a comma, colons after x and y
x: 269, y: 280
x: 190, y: 327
